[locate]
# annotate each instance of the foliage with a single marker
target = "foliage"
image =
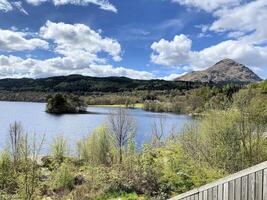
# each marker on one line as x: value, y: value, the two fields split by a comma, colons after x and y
x: 81, y: 84
x: 29, y: 171
x: 60, y: 104
x: 59, y: 148
x: 64, y: 177
x: 7, y: 176
x: 96, y: 148
x: 229, y: 136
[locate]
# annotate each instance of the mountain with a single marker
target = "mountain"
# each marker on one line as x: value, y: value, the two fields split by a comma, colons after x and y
x: 225, y: 71
x: 85, y: 84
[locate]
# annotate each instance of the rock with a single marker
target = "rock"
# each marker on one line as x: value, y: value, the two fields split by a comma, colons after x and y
x: 79, y: 180
x: 225, y: 71
x: 45, y: 174
x: 46, y: 161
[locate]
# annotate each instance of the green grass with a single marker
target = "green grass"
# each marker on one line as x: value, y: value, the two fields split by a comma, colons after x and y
x: 137, y: 105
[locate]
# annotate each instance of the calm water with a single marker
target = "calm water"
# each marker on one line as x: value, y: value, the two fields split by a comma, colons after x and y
x: 75, y: 127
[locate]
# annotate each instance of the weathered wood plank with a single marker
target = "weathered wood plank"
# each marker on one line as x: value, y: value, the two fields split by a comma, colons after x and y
x: 225, y: 191
x: 259, y: 182
x: 231, y: 190
x: 238, y: 189
x: 220, y: 192
x: 214, y: 193
x: 210, y: 194
x: 200, y: 196
x: 245, y: 188
x: 205, y: 195
x: 251, y: 186
x: 265, y: 184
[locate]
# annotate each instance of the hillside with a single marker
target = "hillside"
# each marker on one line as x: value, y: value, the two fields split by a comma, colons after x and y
x: 83, y: 84
x: 225, y: 71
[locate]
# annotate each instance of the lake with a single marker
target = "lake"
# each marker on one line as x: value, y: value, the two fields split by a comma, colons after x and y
x: 77, y: 126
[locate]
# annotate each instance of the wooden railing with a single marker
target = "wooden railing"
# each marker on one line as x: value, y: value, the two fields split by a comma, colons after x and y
x: 249, y: 184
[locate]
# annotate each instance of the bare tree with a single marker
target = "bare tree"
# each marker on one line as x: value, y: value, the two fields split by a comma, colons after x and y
x: 15, y: 137
x: 30, y: 171
x: 122, y: 127
x: 158, y: 129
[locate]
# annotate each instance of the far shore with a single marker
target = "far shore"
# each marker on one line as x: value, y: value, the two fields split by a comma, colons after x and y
x: 137, y: 105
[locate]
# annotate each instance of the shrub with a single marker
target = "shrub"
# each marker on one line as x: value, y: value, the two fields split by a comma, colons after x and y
x: 64, y: 177
x: 7, y: 178
x: 96, y: 149
x: 59, y: 148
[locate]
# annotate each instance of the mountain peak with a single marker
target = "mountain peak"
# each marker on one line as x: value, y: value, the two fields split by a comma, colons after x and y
x: 224, y: 71
x: 227, y: 61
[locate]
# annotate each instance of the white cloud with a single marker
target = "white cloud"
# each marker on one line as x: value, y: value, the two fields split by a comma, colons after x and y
x: 5, y: 6
x: 244, y: 23
x: 16, y: 67
x: 79, y: 40
x: 250, y: 19
x: 18, y: 41
x: 171, y: 52
x: 103, y: 4
x: 208, y: 5
x: 172, y: 76
x: 178, y: 53
x: 78, y: 46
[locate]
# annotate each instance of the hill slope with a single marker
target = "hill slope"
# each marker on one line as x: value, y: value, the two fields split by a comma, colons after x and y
x: 83, y: 84
x: 225, y: 71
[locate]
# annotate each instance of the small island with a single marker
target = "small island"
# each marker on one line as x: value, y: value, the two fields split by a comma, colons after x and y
x: 62, y: 104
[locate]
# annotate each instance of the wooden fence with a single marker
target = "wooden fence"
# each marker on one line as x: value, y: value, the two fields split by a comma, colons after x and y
x: 249, y: 184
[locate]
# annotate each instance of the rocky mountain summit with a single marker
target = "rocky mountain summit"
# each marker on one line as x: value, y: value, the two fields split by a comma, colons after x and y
x: 225, y: 71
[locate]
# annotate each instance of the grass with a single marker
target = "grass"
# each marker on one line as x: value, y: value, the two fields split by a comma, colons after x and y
x: 137, y: 105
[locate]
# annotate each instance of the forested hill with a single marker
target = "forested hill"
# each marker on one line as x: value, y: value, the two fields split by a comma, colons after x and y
x: 79, y: 83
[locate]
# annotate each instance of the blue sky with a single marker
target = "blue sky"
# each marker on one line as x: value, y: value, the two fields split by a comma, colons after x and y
x: 135, y: 38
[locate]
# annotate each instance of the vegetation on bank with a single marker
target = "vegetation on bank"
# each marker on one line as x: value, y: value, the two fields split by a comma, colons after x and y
x: 108, y: 165
x: 81, y: 85
x: 134, y: 105
x: 189, y: 100
x: 60, y: 104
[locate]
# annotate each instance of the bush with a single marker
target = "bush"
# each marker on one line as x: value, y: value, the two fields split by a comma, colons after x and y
x: 96, y: 148
x: 64, y: 177
x: 59, y: 148
x: 7, y: 178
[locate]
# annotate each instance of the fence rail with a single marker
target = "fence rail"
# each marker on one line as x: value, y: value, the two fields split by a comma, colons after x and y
x: 248, y: 184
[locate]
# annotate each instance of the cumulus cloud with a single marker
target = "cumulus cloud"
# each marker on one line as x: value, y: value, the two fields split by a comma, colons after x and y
x: 103, y: 4
x: 243, y: 23
x: 178, y: 52
x: 171, y: 52
x: 208, y: 5
x: 18, y: 41
x: 249, y: 20
x: 16, y: 67
x: 172, y: 76
x: 79, y: 40
x: 76, y: 49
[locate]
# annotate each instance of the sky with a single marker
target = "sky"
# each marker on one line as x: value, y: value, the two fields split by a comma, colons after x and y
x: 141, y: 39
